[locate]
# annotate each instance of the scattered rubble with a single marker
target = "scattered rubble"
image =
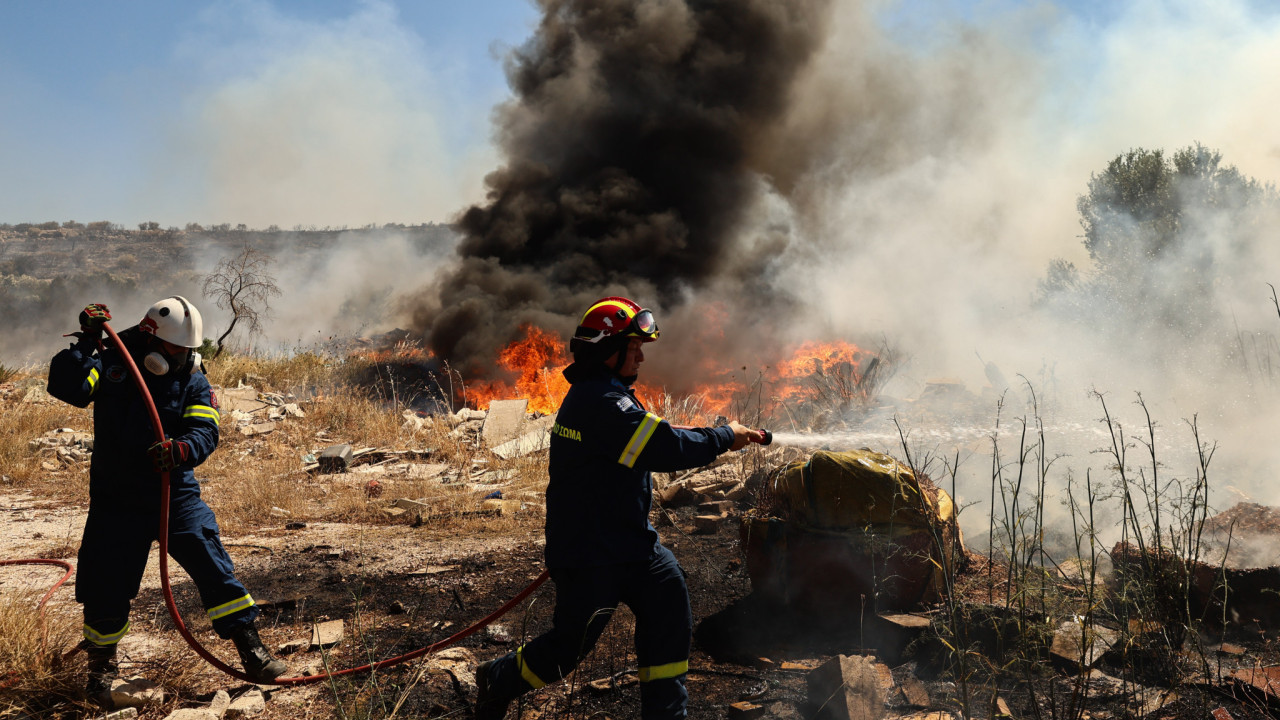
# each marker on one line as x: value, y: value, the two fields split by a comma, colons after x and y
x: 64, y: 446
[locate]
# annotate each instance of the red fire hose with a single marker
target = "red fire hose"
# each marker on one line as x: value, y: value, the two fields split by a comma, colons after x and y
x: 168, y: 591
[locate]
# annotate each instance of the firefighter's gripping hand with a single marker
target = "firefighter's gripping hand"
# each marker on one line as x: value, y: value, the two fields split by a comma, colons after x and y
x: 169, y: 454
x: 743, y: 435
x: 93, y: 316
x: 91, y: 319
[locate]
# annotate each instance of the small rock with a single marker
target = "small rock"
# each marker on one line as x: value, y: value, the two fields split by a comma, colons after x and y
x: 326, y: 634
x: 293, y: 646
x: 135, y: 692
x: 250, y: 703
x: 498, y: 634
x: 221, y: 701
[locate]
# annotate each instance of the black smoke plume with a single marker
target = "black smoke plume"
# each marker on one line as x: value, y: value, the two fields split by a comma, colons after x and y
x: 631, y: 156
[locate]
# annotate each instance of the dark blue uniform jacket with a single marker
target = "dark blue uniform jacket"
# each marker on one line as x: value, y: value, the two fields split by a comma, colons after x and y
x: 121, y: 470
x: 604, y: 445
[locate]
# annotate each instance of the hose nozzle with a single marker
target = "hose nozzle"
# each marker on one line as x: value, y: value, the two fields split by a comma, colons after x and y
x: 768, y: 437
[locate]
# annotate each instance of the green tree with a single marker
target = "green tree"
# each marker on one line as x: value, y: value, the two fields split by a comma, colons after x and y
x: 1157, y: 230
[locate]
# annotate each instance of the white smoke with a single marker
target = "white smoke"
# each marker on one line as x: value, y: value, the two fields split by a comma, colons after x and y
x: 335, y: 123
x: 947, y: 178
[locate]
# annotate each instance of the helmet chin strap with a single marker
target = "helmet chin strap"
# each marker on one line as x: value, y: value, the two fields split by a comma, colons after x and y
x: 621, y: 359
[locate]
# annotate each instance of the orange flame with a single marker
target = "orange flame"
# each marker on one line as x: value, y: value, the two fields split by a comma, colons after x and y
x: 536, y: 361
x: 815, y: 359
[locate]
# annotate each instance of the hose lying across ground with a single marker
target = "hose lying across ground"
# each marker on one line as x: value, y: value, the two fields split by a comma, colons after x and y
x: 168, y: 591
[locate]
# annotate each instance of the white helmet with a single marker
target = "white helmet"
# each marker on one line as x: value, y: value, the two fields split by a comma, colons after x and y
x: 174, y: 320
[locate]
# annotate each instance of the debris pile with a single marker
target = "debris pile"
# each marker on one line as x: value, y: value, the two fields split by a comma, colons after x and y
x: 842, y: 528
x: 63, y: 446
x: 252, y: 412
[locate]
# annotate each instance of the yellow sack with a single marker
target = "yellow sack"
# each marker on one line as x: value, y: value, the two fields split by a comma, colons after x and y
x: 856, y: 490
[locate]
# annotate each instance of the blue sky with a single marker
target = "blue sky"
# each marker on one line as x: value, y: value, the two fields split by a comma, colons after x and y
x: 114, y: 110
x: 349, y: 112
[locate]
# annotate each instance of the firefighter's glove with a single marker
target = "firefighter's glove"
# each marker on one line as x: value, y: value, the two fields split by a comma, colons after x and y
x: 169, y: 454
x: 92, y: 318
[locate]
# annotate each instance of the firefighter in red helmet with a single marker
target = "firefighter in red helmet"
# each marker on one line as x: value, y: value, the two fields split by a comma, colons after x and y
x: 601, y: 549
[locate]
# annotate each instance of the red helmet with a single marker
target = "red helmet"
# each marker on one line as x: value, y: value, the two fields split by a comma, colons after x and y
x: 614, y: 316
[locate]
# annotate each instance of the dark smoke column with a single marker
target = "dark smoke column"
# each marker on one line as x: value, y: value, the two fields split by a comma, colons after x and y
x: 628, y: 162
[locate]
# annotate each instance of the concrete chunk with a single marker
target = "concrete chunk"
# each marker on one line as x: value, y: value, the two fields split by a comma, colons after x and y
x: 193, y: 714
x: 248, y: 704
x: 335, y: 459
x: 707, y: 524
x: 261, y: 428
x: 847, y: 688
x: 1075, y: 646
x: 135, y: 692
x: 892, y: 634
x: 220, y: 702
x: 504, y: 421
x: 326, y: 634
x: 526, y: 444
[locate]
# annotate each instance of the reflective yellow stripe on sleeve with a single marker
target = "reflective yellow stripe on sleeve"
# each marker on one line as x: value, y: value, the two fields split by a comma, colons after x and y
x: 663, y: 672
x: 93, y: 380
x: 98, y: 638
x: 201, y: 411
x: 639, y: 439
x: 227, y: 608
x: 534, y: 681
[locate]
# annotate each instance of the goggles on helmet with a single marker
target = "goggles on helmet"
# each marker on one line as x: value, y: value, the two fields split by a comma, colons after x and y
x: 641, y: 325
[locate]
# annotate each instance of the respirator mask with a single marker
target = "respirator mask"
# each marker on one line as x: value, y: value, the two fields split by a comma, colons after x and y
x: 158, y: 363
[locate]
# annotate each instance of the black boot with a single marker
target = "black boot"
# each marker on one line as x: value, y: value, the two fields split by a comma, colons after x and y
x: 490, y: 704
x: 103, y: 669
x: 257, y: 660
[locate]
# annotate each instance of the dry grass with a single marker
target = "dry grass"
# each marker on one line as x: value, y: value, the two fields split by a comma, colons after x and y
x: 33, y: 677
x: 22, y: 421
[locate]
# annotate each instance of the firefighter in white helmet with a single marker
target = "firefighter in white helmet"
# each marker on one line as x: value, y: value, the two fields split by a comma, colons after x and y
x: 125, y: 476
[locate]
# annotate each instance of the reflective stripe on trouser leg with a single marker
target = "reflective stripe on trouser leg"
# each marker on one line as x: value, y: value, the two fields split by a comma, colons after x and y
x: 507, y: 679
x: 664, y: 672
x: 227, y: 608
x: 195, y: 544
x: 664, y: 631
x: 527, y: 674
x: 102, y: 639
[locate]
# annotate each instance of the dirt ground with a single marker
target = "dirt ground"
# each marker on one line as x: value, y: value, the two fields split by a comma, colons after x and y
x: 406, y: 588
x: 400, y: 587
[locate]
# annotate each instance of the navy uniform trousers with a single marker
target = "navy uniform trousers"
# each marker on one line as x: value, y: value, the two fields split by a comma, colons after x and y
x: 113, y: 556
x: 655, y: 591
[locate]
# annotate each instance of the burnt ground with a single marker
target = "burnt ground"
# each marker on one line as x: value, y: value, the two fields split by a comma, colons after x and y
x: 744, y: 649
x: 399, y: 588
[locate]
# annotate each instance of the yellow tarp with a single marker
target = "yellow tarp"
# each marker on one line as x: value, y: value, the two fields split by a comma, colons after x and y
x: 856, y: 490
